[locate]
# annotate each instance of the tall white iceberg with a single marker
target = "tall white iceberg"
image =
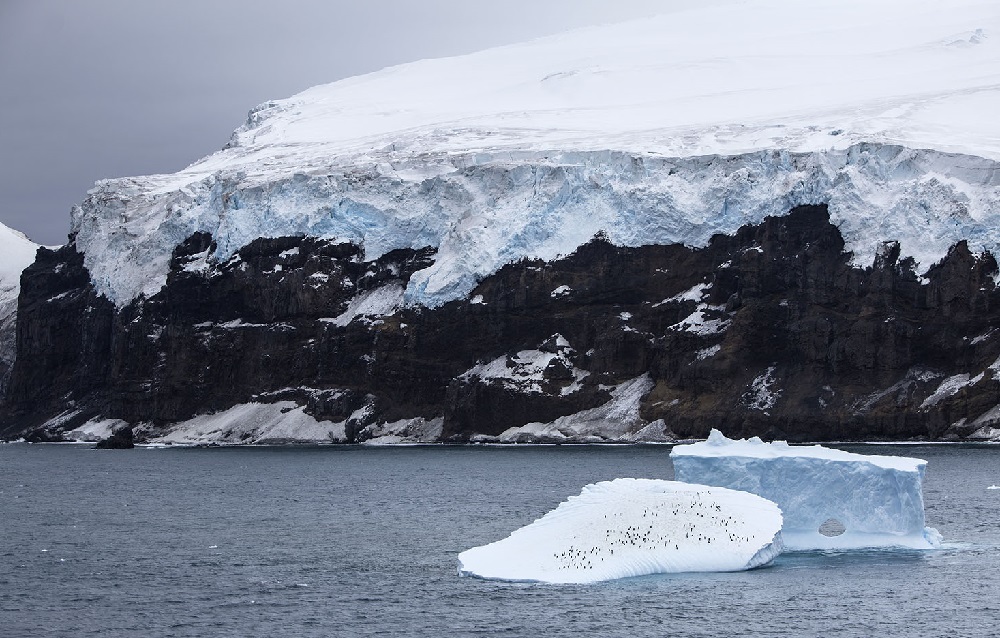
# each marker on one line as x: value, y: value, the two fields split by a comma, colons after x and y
x: 830, y: 499
x: 634, y: 527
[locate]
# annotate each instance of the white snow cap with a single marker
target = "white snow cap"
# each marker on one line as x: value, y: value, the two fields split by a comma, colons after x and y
x: 662, y: 130
x: 830, y: 499
x: 16, y: 253
x: 634, y: 527
x: 734, y: 76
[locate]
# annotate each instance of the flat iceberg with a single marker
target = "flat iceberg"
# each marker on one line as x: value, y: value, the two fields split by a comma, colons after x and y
x: 830, y: 499
x: 634, y: 527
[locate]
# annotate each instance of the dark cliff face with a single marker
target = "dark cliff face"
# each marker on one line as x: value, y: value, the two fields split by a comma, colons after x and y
x: 770, y: 332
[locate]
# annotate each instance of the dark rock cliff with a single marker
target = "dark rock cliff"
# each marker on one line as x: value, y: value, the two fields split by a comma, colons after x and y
x: 770, y: 332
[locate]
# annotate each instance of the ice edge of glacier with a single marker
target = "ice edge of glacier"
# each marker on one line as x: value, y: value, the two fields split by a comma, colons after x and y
x: 481, y: 211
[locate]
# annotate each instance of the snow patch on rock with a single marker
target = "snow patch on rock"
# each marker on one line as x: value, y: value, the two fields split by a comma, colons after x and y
x: 371, y: 305
x: 701, y: 322
x: 950, y: 387
x: 94, y: 430
x: 253, y: 423
x: 696, y: 294
x: 404, y: 431
x: 901, y: 389
x: 987, y: 425
x: 995, y: 369
x: 526, y: 371
x: 761, y: 394
x: 617, y: 421
x: 708, y: 353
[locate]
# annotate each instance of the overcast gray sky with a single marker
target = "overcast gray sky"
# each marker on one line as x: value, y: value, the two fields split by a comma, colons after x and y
x: 91, y: 89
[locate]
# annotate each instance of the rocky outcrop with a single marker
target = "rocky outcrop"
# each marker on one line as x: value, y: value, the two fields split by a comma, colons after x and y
x: 769, y: 332
x: 121, y: 439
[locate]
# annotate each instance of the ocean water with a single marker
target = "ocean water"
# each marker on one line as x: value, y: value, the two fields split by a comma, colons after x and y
x: 354, y: 541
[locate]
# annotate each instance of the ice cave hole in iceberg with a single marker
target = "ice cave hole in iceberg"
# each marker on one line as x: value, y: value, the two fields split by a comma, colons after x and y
x: 830, y: 499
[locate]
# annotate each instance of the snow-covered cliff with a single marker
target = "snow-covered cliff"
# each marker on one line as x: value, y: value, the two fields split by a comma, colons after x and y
x: 16, y: 252
x: 570, y: 239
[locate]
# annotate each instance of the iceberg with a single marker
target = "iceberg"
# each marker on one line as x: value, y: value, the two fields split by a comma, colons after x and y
x: 635, y: 527
x: 830, y: 499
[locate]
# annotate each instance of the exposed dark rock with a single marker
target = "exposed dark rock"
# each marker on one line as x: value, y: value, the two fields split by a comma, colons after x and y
x: 121, y: 439
x: 770, y: 332
x: 41, y: 435
x: 556, y: 370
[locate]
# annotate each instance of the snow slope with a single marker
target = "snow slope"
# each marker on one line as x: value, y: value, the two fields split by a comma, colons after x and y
x: 16, y: 253
x: 661, y: 130
x: 830, y: 499
x: 618, y: 420
x: 634, y: 527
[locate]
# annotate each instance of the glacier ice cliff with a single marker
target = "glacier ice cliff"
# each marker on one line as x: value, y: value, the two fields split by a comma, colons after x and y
x: 830, y: 499
x: 635, y: 527
x: 657, y: 135
x: 482, y: 211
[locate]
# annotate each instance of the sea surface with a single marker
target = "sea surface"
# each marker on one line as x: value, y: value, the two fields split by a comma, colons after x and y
x: 362, y: 541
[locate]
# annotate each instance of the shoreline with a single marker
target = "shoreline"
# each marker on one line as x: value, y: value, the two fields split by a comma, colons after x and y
x: 498, y: 445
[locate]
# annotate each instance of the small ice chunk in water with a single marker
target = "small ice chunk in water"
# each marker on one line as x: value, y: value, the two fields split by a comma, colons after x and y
x: 634, y: 527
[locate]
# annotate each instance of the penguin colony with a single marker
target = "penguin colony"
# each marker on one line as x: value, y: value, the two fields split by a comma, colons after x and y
x: 675, y: 523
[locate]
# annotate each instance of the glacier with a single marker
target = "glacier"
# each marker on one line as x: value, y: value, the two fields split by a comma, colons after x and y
x: 634, y: 527
x: 830, y: 499
x: 663, y: 130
